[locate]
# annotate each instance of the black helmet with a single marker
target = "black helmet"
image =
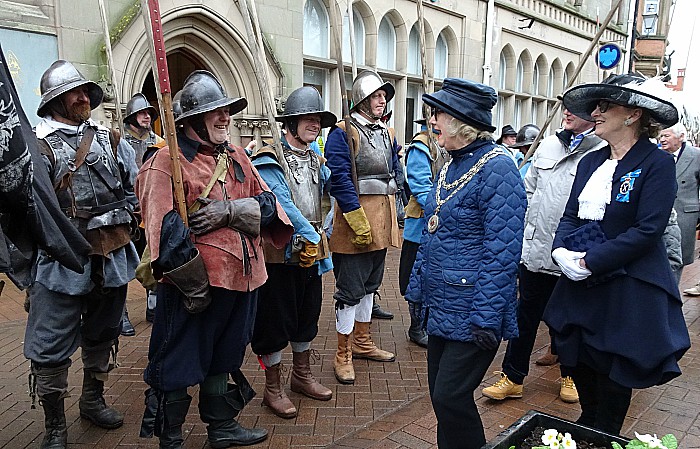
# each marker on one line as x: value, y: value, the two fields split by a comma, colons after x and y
x: 202, y: 93
x: 177, y: 110
x: 139, y: 103
x: 303, y: 101
x: 526, y: 136
x: 61, y: 77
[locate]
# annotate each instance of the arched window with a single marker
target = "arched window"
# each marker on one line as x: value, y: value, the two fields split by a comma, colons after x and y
x: 440, y: 58
x: 550, y: 82
x: 359, y: 28
x: 315, y: 29
x: 502, y: 66
x: 386, y: 48
x: 536, y: 80
x: 519, y: 75
x: 414, y: 64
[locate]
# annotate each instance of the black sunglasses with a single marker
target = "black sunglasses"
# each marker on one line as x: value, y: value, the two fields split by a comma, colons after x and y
x: 604, y: 105
x: 435, y: 111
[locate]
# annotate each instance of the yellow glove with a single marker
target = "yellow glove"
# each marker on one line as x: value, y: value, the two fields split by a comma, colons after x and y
x: 357, y: 220
x: 308, y: 254
x: 144, y: 273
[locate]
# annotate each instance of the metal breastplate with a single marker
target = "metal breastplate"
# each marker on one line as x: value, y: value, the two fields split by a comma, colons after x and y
x: 373, y: 162
x: 94, y: 191
x: 305, y: 185
x: 140, y: 146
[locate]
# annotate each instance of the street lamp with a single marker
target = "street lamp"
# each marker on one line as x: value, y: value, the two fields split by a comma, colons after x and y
x: 649, y: 24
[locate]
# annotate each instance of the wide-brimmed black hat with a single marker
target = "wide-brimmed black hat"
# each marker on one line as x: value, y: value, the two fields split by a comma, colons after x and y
x: 508, y: 131
x: 626, y: 90
x: 466, y: 101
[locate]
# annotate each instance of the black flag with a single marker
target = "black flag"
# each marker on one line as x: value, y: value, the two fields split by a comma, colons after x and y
x: 30, y: 215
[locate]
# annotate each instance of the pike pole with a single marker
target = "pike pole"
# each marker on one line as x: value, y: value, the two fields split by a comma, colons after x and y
x: 154, y: 30
x: 424, y: 72
x: 576, y: 73
x: 110, y: 63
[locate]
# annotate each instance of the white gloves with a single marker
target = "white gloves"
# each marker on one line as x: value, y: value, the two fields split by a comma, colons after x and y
x: 568, y: 261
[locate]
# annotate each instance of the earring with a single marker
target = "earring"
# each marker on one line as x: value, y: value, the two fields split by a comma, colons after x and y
x: 628, y: 121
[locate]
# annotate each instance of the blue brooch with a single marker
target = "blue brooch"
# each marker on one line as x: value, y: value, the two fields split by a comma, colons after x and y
x: 627, y: 186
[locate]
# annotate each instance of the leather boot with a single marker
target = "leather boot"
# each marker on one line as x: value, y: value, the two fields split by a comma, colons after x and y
x: 219, y: 411
x: 364, y: 348
x: 174, y: 414
x: 55, y: 433
x: 127, y: 328
x: 92, y: 404
x: 377, y: 311
x: 303, y: 380
x: 416, y: 334
x: 274, y: 395
x: 342, y: 365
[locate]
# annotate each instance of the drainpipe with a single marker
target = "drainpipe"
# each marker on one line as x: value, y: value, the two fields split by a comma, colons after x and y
x: 488, y: 41
x: 632, y: 33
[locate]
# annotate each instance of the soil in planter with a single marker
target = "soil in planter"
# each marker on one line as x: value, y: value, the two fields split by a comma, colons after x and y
x: 535, y: 439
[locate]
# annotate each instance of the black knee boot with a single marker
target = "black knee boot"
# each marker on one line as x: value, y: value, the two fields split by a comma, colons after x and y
x: 51, y: 385
x: 92, y: 403
x: 174, y: 414
x: 415, y: 332
x: 219, y: 411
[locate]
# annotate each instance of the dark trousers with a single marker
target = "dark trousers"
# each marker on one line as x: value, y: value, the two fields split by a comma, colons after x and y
x: 289, y: 305
x: 357, y: 275
x: 409, y: 251
x: 535, y: 290
x: 604, y: 402
x: 455, y: 370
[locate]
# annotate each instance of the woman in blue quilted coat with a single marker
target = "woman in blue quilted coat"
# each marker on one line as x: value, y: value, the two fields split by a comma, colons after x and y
x: 465, y: 271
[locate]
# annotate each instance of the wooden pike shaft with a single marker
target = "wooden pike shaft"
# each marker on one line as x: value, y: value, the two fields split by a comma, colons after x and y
x: 154, y: 30
x: 110, y: 63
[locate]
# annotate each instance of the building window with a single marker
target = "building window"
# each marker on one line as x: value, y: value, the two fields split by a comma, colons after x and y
x: 533, y: 111
x: 414, y: 63
x: 565, y: 82
x: 550, y: 83
x: 519, y: 75
x: 317, y: 78
x: 502, y: 66
x: 359, y: 28
x: 440, y: 58
x: 386, y: 49
x: 517, y: 113
x: 315, y: 29
x: 413, y: 108
x: 500, y: 113
x: 536, y: 80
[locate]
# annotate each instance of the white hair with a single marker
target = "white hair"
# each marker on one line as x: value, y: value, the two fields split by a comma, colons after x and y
x: 679, y: 130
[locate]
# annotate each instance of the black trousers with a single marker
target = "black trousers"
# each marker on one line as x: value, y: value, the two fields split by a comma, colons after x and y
x: 455, y: 370
x: 357, y: 275
x: 409, y: 251
x: 604, y: 402
x: 535, y: 290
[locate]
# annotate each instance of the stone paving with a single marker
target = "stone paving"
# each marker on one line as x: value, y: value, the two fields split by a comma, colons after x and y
x: 388, y: 407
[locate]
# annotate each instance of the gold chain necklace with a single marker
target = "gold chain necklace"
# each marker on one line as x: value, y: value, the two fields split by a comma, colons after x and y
x: 456, y: 185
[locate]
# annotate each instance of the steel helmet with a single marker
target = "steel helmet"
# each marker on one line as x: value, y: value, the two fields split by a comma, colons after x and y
x: 139, y: 103
x: 61, y: 77
x: 202, y: 93
x: 367, y: 83
x: 177, y: 110
x: 526, y: 136
x: 303, y: 101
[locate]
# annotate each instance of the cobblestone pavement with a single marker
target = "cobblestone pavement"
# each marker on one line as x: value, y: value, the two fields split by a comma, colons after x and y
x: 388, y: 407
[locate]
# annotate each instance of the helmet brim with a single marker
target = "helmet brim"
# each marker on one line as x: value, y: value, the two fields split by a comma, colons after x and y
x: 95, y: 93
x: 235, y: 105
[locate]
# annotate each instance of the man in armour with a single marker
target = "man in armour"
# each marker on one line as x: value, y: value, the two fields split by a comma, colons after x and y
x: 138, y: 127
x: 93, y: 178
x: 206, y: 303
x: 290, y: 300
x: 363, y: 182
x: 424, y: 159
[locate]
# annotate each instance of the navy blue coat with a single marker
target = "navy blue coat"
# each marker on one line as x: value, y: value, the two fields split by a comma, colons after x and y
x: 465, y: 273
x: 625, y: 319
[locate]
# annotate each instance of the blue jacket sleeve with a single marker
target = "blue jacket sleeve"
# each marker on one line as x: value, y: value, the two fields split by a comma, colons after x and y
x: 126, y: 159
x: 337, y: 153
x: 419, y: 173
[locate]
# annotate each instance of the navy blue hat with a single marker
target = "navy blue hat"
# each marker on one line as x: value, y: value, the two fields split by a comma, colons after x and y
x: 466, y: 101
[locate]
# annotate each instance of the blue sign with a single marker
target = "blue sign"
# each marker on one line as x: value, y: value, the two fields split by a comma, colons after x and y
x: 608, y: 56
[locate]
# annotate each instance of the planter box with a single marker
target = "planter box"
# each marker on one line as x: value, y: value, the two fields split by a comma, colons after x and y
x: 523, y: 427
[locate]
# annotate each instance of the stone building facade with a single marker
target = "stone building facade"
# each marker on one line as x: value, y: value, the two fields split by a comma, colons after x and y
x: 526, y: 49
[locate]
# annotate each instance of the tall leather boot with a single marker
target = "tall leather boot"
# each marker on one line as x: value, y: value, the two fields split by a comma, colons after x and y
x: 219, y: 411
x: 303, y: 380
x: 274, y: 395
x: 364, y: 348
x: 127, y: 328
x: 174, y: 414
x: 416, y: 334
x: 342, y: 365
x: 55, y: 430
x: 92, y: 403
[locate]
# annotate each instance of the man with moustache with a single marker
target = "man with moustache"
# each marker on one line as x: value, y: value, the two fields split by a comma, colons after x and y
x: 363, y: 182
x: 546, y: 184
x: 93, y: 178
x: 138, y: 127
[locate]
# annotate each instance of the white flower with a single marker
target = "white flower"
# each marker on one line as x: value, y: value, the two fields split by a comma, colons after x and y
x: 550, y: 436
x: 651, y: 441
x: 568, y: 442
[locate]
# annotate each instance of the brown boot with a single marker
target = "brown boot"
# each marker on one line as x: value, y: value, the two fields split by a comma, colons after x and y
x: 342, y: 365
x: 548, y: 359
x: 274, y: 395
x: 364, y: 348
x: 303, y: 380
